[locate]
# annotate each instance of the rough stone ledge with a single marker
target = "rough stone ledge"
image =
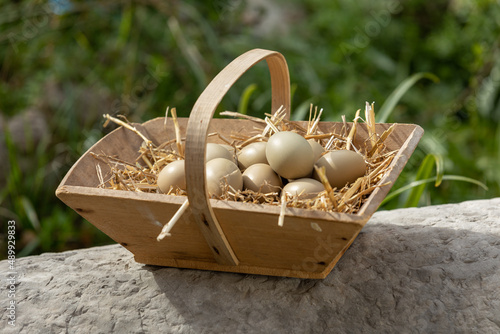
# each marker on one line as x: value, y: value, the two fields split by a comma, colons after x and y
x: 424, y: 270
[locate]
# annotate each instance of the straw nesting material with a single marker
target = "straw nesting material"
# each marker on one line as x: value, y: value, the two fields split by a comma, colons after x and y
x: 141, y: 175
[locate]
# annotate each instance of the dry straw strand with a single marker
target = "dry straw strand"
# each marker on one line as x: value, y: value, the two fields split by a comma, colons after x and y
x: 165, y: 231
x: 127, y: 126
x: 178, y: 138
x: 352, y: 133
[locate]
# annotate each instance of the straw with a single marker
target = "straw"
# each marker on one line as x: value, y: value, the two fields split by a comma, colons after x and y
x: 352, y: 133
x: 178, y: 140
x: 141, y: 175
x: 165, y: 231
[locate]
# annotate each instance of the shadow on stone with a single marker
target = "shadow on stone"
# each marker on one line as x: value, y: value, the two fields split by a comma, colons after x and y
x: 394, y: 278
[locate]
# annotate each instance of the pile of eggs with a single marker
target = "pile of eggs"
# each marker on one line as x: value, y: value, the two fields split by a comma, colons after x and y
x: 264, y: 167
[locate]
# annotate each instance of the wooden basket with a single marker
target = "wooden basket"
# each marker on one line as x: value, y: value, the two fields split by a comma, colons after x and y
x: 216, y: 234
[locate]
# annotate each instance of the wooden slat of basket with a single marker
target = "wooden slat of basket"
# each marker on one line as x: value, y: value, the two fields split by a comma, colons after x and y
x: 196, y: 138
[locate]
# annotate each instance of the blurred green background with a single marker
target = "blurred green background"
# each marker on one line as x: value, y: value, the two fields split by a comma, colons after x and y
x: 65, y: 63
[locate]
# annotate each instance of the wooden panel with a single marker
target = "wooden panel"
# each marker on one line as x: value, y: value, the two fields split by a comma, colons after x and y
x: 257, y: 239
x: 134, y: 220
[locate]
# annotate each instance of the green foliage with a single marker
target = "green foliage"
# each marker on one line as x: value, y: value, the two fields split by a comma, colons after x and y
x: 424, y: 172
x: 393, y: 99
x: 423, y: 177
x: 417, y: 184
x: 75, y: 60
x: 245, y: 98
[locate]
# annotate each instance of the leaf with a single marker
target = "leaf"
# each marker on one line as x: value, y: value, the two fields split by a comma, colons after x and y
x: 30, y: 213
x: 465, y: 179
x: 125, y: 24
x: 389, y: 104
x: 189, y: 50
x: 413, y: 184
x: 245, y: 98
x: 14, y: 179
x: 439, y: 169
x: 300, y: 113
x: 424, y: 172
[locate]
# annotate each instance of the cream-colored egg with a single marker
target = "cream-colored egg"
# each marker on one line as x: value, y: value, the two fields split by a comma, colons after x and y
x: 215, y: 151
x: 317, y: 148
x: 290, y: 155
x: 172, y: 176
x: 254, y: 153
x: 261, y: 178
x: 305, y: 188
x: 341, y: 167
x: 230, y: 148
x: 220, y: 172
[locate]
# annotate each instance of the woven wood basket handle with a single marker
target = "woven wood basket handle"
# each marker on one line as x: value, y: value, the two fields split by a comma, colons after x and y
x: 196, y: 140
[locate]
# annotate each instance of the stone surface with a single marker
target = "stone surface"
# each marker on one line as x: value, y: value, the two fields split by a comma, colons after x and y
x: 427, y: 270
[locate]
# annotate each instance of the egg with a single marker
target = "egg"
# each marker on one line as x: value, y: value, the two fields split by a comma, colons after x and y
x: 215, y: 151
x: 230, y: 148
x: 172, y: 176
x: 305, y: 187
x: 290, y: 155
x: 220, y: 171
x: 317, y: 148
x: 261, y: 178
x: 252, y: 154
x: 341, y: 167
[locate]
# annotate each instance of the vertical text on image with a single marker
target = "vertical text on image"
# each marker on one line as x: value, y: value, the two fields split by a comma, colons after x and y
x: 11, y: 273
